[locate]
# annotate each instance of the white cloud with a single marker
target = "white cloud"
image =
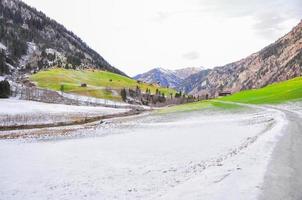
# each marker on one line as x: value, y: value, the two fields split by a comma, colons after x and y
x: 136, y: 35
x: 193, y: 55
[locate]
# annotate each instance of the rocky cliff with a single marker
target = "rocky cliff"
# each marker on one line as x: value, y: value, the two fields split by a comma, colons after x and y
x: 279, y: 61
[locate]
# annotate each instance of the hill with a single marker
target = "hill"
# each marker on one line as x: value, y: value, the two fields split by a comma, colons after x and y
x: 279, y: 61
x: 100, y: 84
x: 30, y: 41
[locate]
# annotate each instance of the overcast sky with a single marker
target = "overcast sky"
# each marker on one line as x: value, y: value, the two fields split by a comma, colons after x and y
x: 137, y: 35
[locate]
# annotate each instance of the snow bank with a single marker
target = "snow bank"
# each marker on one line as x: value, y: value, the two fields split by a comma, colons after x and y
x: 293, y: 106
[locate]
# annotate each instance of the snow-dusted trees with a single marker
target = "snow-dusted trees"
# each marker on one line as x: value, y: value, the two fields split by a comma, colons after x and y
x: 3, y: 66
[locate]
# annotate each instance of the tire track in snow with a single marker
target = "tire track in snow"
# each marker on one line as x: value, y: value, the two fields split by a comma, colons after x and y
x: 194, y: 169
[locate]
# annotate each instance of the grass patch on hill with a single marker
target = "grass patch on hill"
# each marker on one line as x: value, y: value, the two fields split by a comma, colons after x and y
x: 271, y: 94
x: 100, y: 84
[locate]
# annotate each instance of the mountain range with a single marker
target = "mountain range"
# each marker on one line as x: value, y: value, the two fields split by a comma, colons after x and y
x: 30, y: 41
x: 277, y: 62
x: 167, y: 78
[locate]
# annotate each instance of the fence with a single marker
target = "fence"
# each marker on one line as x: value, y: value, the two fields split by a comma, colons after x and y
x: 50, y: 96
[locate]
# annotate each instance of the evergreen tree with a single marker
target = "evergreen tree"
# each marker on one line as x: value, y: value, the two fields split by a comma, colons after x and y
x: 124, y: 94
x: 4, y: 89
x: 3, y: 67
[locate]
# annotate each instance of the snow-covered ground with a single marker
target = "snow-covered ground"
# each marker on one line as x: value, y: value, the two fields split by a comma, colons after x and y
x: 13, y: 111
x: 85, y: 99
x: 294, y: 106
x: 196, y: 155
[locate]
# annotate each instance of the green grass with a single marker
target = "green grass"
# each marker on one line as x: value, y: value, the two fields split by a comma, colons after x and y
x: 186, y: 107
x: 198, y: 106
x: 97, y: 81
x: 272, y: 94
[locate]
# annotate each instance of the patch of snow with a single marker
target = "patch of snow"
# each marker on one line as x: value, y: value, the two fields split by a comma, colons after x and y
x: 93, y: 100
x: 13, y: 111
x: 2, y: 46
x: 10, y: 66
x: 293, y: 106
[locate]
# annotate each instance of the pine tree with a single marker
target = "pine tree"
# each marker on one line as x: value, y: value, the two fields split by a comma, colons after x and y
x: 4, y: 89
x: 124, y: 94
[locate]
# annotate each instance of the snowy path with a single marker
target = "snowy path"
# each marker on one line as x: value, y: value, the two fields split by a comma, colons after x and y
x: 283, y: 178
x: 197, y: 155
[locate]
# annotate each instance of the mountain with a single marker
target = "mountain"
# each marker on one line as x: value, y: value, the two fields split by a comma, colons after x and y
x: 30, y: 41
x: 186, y: 72
x: 277, y: 62
x: 167, y: 78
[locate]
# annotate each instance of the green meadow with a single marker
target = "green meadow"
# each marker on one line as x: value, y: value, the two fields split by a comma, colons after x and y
x: 100, y: 84
x: 272, y: 94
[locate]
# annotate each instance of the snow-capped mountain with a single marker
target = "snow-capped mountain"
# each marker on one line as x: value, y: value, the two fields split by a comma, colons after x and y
x: 186, y: 72
x: 167, y: 78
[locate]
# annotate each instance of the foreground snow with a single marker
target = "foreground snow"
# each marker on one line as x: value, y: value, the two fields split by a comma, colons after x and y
x: 198, y: 155
x: 13, y: 111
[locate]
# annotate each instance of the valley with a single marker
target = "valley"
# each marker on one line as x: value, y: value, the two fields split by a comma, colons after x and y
x: 191, y: 154
x: 75, y: 126
x: 192, y: 151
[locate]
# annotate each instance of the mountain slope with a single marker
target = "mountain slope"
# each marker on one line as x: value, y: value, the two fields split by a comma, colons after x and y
x: 167, y: 78
x: 279, y: 61
x: 30, y: 41
x: 186, y: 72
x: 281, y: 92
x: 98, y: 83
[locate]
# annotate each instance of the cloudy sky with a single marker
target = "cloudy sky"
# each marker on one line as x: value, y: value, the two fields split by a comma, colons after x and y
x: 137, y: 35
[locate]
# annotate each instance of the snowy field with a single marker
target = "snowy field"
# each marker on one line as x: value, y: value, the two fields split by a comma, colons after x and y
x: 197, y: 155
x: 85, y: 99
x: 20, y: 112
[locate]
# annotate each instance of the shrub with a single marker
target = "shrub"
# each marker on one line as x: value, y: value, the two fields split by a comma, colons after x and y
x: 124, y: 94
x: 4, y: 89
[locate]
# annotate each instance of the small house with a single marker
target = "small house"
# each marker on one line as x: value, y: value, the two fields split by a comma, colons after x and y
x: 83, y: 84
x: 223, y: 94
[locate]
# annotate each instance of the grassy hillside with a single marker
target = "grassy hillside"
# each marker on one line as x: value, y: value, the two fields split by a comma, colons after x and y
x: 275, y: 93
x: 100, y: 84
x: 272, y: 94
